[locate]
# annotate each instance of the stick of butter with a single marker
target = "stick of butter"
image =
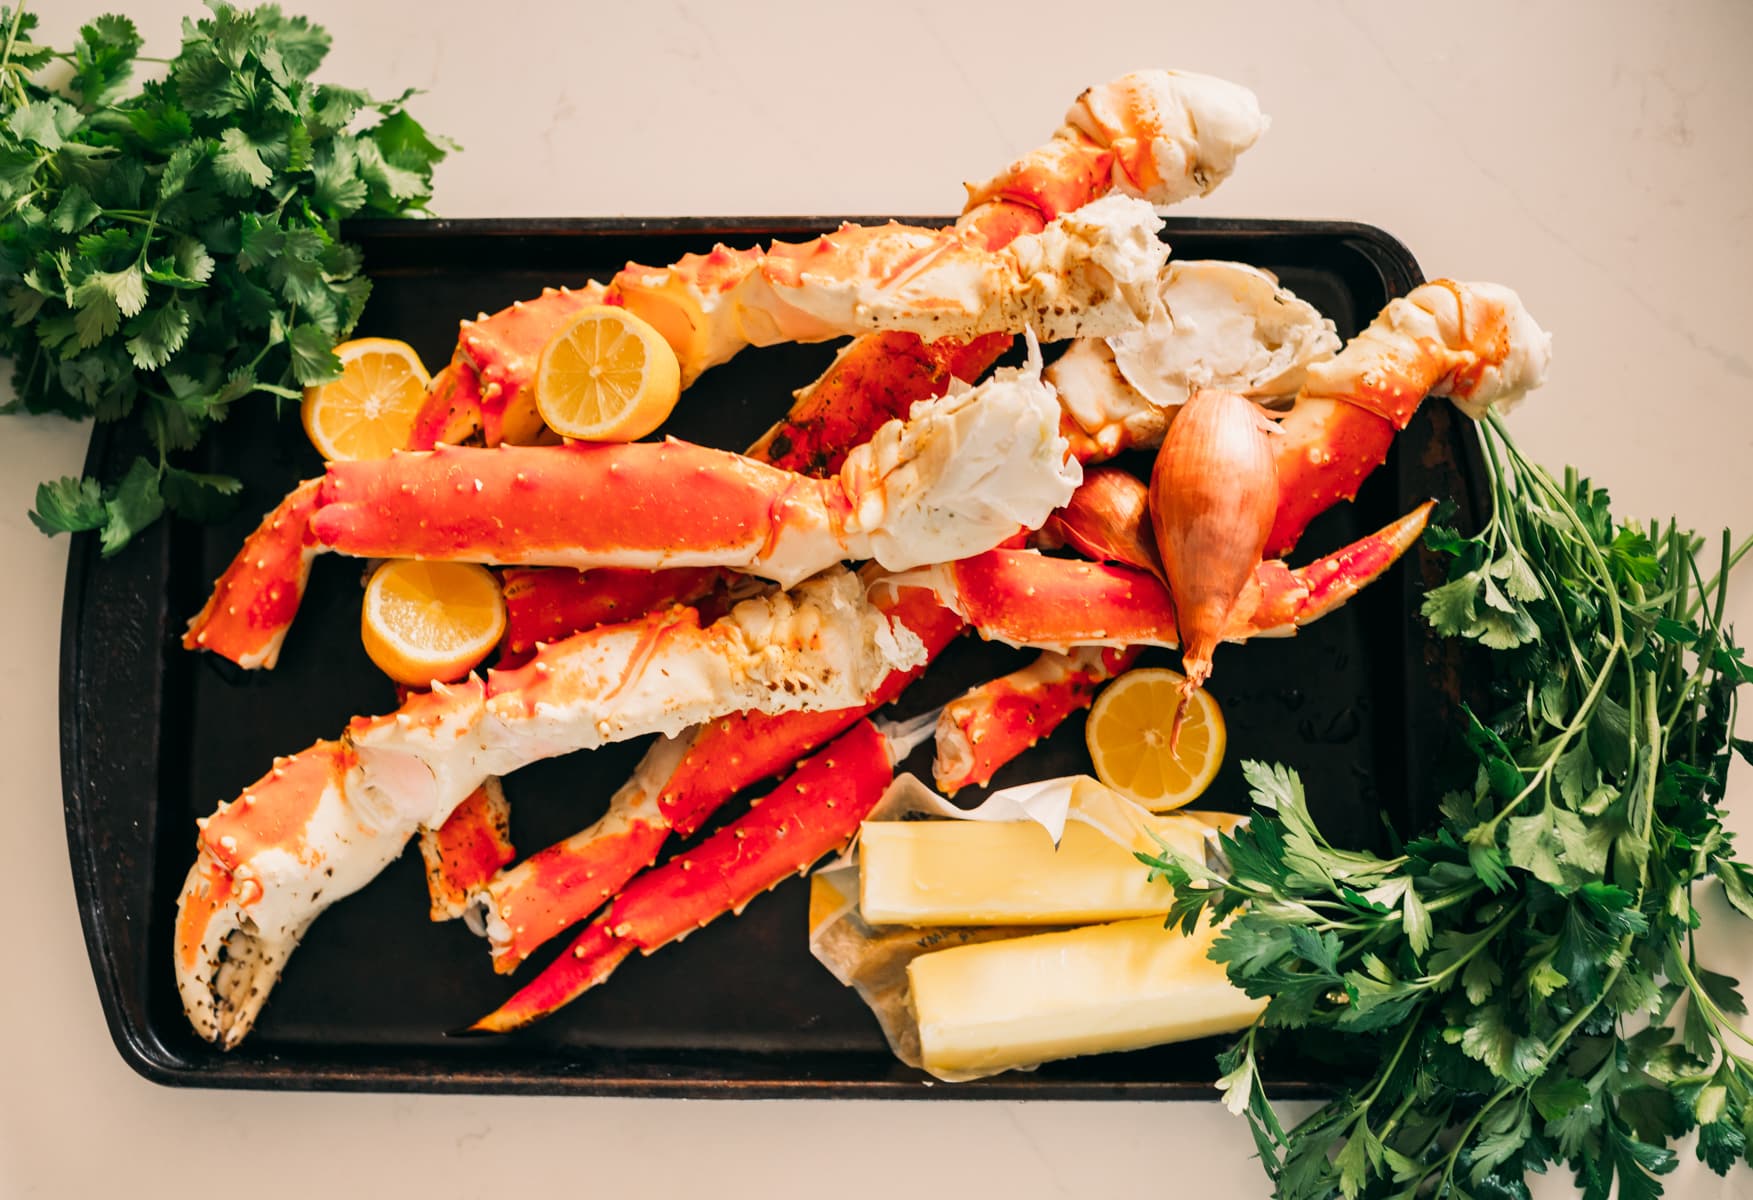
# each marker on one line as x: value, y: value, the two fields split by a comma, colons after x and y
x: 1009, y: 873
x: 995, y: 1006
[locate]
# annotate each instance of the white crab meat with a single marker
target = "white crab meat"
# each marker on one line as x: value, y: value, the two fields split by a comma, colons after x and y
x: 1219, y: 325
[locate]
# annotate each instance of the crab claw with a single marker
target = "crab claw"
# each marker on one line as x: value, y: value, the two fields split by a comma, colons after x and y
x: 257, y: 881
x: 1023, y: 598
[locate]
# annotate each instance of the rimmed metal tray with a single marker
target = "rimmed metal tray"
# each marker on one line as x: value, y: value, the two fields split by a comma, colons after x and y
x: 152, y: 736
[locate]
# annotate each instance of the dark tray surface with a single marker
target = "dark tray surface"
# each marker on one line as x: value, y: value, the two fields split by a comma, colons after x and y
x: 153, y: 737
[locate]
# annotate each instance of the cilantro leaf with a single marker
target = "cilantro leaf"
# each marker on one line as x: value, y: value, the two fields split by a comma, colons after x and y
x: 75, y: 211
x: 135, y: 505
x: 46, y: 122
x: 200, y: 496
x: 155, y: 336
x: 103, y: 59
x: 238, y: 163
x: 171, y: 245
x: 68, y: 505
x: 313, y: 355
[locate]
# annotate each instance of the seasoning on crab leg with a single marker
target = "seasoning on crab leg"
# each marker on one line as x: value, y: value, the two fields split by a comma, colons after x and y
x: 813, y: 813
x: 679, y: 786
x: 325, y: 822
x: 463, y: 853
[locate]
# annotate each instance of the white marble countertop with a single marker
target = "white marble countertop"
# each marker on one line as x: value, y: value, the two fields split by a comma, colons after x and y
x: 1595, y: 157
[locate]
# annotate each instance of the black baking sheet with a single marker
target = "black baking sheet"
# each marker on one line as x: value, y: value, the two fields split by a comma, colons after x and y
x: 152, y: 737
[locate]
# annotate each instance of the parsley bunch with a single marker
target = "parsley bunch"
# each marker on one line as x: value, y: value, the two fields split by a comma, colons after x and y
x: 1521, y: 979
x: 171, y: 247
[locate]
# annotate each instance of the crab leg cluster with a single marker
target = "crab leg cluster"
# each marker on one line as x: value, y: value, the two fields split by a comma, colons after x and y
x: 1473, y: 342
x: 326, y: 821
x: 679, y: 786
x: 623, y: 618
x: 813, y: 813
x: 1160, y: 135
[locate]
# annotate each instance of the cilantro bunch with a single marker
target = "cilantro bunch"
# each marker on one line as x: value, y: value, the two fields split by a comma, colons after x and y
x: 170, y: 247
x: 1519, y: 980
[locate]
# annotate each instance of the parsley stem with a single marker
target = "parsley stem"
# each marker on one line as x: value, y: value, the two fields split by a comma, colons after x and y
x: 1412, y: 1021
x: 1484, y: 938
x: 1527, y: 473
x: 1702, y: 999
x: 11, y: 36
x: 1721, y: 577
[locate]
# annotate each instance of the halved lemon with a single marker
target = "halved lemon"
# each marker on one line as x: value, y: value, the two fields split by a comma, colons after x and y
x: 370, y: 410
x: 431, y: 620
x: 607, y: 376
x: 1128, y: 737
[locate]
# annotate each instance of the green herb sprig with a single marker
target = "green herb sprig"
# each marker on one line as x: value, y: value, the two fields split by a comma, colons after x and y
x: 1521, y: 980
x: 171, y: 247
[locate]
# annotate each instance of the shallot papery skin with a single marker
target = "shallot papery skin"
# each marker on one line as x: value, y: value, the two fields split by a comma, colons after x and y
x: 1107, y: 520
x: 1213, y: 494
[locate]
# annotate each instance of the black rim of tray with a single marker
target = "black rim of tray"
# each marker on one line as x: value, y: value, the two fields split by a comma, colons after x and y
x: 115, y: 626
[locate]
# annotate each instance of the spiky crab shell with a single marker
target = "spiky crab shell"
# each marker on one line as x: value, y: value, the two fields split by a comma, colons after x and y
x: 248, y: 614
x: 988, y: 726
x: 813, y: 813
x: 463, y: 854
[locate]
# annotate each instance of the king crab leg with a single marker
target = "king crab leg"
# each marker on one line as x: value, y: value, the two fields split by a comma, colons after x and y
x: 1472, y: 342
x: 992, y: 455
x: 813, y: 813
x: 252, y: 605
x: 1024, y: 598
